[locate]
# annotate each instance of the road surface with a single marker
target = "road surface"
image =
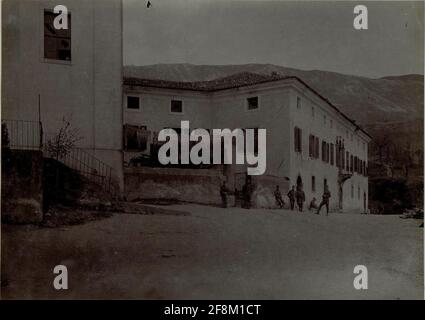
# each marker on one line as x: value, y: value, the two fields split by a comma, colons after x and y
x: 215, y: 253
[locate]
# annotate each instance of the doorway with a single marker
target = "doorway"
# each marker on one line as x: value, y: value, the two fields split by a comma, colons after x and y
x: 299, y: 183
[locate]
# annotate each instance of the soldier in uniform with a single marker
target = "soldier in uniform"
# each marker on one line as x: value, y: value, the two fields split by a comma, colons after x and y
x: 325, y: 200
x: 300, y: 196
x: 291, y: 196
x: 278, y: 196
x: 313, y: 204
x: 223, y: 194
x: 247, y: 193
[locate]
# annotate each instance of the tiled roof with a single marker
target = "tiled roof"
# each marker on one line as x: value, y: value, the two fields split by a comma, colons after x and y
x: 232, y: 81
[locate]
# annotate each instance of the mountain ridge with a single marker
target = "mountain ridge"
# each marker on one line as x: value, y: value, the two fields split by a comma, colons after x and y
x: 368, y: 101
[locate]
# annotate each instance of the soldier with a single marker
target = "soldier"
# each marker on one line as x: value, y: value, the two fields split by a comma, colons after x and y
x: 278, y: 196
x: 300, y: 196
x: 291, y: 196
x: 313, y: 204
x: 223, y: 194
x: 246, y: 193
x: 325, y: 200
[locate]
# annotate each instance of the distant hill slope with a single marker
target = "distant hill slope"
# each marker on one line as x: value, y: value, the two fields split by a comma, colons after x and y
x: 394, y: 99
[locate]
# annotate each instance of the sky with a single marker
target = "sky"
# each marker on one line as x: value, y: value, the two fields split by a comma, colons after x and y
x: 308, y: 35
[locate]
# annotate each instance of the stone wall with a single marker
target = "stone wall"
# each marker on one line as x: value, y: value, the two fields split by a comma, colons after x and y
x: 22, y: 186
x: 191, y: 185
x: 263, y: 196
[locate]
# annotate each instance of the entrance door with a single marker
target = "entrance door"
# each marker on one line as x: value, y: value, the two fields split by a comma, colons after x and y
x: 299, y: 183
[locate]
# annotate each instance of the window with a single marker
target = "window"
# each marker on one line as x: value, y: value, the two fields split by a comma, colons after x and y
x: 57, y: 42
x: 252, y: 103
x: 324, y: 120
x: 135, y: 138
x: 298, y: 103
x: 332, y: 154
x: 348, y: 160
x: 312, y: 112
x: 297, y: 139
x: 316, y: 155
x: 351, y: 163
x: 328, y: 152
x: 352, y: 191
x: 325, y: 151
x: 337, y: 155
x: 313, y: 183
x: 176, y: 106
x: 355, y: 164
x: 332, y: 124
x: 358, y: 192
x: 311, y: 145
x: 133, y: 102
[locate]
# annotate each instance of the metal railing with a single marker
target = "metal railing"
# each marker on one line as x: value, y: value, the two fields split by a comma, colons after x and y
x: 89, y: 167
x: 28, y: 135
x: 22, y: 134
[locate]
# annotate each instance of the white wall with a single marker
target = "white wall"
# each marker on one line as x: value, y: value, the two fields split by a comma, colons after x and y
x: 155, y: 112
x: 306, y: 167
x: 87, y: 90
x: 224, y: 109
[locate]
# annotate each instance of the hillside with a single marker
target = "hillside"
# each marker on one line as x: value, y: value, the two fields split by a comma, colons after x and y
x: 368, y: 101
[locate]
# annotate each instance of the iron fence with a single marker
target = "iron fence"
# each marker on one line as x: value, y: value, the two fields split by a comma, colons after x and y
x: 89, y: 167
x: 22, y: 134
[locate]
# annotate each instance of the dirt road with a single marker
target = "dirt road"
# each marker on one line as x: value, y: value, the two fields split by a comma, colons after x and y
x: 217, y: 254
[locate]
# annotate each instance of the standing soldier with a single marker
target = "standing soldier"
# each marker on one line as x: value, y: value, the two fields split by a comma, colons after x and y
x: 223, y: 194
x: 247, y: 193
x: 325, y: 200
x: 300, y: 195
x: 278, y: 196
x: 291, y: 196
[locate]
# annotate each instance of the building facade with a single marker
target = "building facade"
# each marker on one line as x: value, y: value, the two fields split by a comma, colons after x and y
x: 70, y: 75
x: 310, y: 143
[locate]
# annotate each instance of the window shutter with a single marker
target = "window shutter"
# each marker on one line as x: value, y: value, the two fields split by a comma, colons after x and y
x: 317, y: 148
x: 300, y: 140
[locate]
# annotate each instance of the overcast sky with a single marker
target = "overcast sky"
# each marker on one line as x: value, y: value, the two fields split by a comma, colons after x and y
x: 304, y: 35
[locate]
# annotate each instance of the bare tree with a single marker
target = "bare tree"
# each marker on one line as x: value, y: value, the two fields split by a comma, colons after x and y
x: 61, y: 144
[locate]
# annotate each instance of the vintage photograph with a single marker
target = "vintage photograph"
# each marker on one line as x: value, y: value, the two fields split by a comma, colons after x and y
x: 211, y: 149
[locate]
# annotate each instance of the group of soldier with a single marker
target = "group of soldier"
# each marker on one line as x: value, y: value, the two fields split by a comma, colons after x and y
x: 295, y: 195
x: 245, y: 194
x: 298, y: 196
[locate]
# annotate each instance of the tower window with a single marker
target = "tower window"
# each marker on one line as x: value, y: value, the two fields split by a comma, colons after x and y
x: 57, y: 42
x: 252, y: 103
x: 176, y: 106
x: 133, y: 102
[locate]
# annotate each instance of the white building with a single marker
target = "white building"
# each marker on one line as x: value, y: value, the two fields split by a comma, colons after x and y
x: 74, y: 73
x: 304, y: 130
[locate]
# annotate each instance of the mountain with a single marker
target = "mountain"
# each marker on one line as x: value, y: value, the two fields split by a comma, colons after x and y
x: 371, y: 102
